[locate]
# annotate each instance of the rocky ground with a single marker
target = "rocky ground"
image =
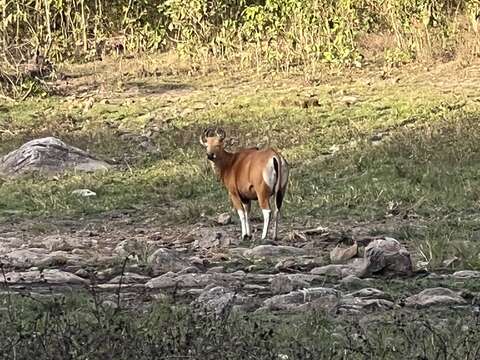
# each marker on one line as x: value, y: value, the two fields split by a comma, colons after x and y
x: 339, y: 267
x: 206, y: 265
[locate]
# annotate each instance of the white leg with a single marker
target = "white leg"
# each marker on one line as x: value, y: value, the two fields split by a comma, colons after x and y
x: 276, y: 215
x: 241, y: 215
x: 266, y: 222
x: 246, y: 208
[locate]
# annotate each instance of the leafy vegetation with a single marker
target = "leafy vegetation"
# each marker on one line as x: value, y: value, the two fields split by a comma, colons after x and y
x: 278, y: 33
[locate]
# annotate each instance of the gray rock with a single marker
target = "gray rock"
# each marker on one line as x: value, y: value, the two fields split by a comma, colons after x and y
x: 272, y: 251
x: 224, y: 219
x: 106, y: 304
x: 64, y: 243
x: 50, y: 156
x: 435, y: 297
x: 57, y: 258
x: 238, y: 251
x: 281, y: 284
x: 349, y: 100
x: 294, y: 299
x: 212, y: 238
x: 335, y: 270
x: 172, y: 280
x: 466, y: 274
x: 353, y: 282
x: 340, y: 255
x: 387, y: 256
x: 218, y: 300
x: 83, y: 273
x: 298, y: 264
x: 369, y: 293
x: 189, y: 270
x: 216, y: 269
x: 164, y: 260
x: 128, y: 247
x: 84, y: 193
x: 52, y: 276
x: 129, y: 278
x: 25, y: 258
x: 352, y: 304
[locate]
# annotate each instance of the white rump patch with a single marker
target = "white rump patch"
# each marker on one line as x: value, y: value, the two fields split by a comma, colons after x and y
x: 269, y: 175
x: 284, y: 170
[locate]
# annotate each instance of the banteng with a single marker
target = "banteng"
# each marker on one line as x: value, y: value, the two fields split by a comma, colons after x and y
x: 249, y: 174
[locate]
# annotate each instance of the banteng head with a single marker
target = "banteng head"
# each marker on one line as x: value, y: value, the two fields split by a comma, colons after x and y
x: 213, y: 140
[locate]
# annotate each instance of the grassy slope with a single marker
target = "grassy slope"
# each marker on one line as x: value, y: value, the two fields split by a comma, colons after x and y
x: 425, y: 171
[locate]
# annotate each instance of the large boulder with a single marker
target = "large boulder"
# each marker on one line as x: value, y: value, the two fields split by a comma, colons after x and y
x: 50, y: 156
x: 387, y: 257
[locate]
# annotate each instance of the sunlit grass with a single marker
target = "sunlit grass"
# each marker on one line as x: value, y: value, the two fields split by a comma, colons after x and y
x: 412, y: 144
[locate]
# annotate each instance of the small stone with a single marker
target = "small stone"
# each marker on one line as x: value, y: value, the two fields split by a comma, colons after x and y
x: 189, y: 270
x: 224, y: 219
x: 353, y: 282
x: 109, y: 304
x: 466, y: 274
x: 349, y: 100
x: 84, y: 193
x: 352, y: 304
x: 129, y: 278
x: 376, y: 137
x: 216, y: 269
x: 298, y: 264
x: 369, y: 293
x: 83, y: 273
x: 336, y: 270
x: 281, y: 284
x: 265, y: 251
x: 88, y: 105
x: 435, y: 297
x: 212, y: 238
x: 218, y: 299
x: 340, y: 255
x: 293, y: 300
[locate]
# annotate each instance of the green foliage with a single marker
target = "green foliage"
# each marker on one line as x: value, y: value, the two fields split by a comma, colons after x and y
x: 277, y: 33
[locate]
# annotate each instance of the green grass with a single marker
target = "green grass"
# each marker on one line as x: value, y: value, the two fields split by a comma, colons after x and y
x: 427, y: 164
x: 84, y: 327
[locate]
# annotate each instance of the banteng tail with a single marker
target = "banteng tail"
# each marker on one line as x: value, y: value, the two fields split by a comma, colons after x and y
x: 278, y: 185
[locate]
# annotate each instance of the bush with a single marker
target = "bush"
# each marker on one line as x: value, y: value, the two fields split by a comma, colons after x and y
x: 277, y: 33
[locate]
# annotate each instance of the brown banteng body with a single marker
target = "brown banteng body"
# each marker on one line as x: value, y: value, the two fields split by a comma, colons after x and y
x: 249, y: 174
